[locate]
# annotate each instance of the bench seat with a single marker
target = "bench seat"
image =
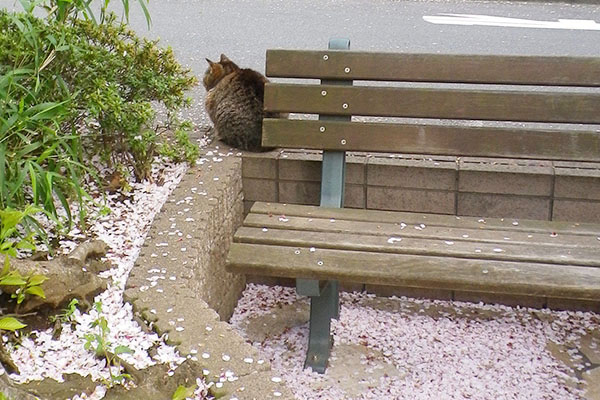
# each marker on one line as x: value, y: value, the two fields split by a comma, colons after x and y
x: 491, y: 255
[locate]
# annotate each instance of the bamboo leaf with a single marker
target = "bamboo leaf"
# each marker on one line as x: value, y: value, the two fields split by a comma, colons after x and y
x: 65, y: 203
x: 3, y: 185
x: 34, y: 185
x: 44, y: 111
x: 28, y: 149
x: 146, y: 12
x: 46, y: 153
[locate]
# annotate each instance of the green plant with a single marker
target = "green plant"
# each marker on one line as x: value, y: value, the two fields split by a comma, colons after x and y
x: 26, y: 285
x: 67, y: 314
x: 69, y: 92
x: 11, y: 239
x: 182, y: 392
x: 11, y: 324
x: 10, y: 243
x: 182, y: 149
x: 99, y: 343
x: 38, y: 162
x: 65, y: 10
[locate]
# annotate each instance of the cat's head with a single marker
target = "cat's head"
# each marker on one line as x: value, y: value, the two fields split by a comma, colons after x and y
x: 217, y: 71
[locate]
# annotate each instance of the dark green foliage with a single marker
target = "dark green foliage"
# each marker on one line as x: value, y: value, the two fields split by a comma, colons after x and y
x: 70, y: 91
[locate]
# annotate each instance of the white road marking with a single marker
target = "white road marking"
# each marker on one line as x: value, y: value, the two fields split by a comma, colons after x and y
x: 489, y: 20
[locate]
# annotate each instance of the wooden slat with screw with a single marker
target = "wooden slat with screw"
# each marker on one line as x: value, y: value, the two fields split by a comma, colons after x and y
x: 471, y: 248
x: 415, y: 67
x: 431, y: 220
x: 447, y: 103
x: 543, y: 144
x: 533, y: 279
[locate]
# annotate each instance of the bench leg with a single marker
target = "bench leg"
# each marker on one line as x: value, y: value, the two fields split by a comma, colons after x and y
x: 324, y: 305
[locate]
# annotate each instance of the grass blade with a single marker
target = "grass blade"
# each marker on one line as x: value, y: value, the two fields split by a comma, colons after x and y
x: 146, y: 12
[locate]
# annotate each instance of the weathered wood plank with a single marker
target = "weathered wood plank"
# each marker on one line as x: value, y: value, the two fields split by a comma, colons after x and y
x: 532, y: 279
x: 499, y: 238
x: 415, y: 67
x: 431, y: 220
x: 497, y: 105
x: 425, y: 246
x: 544, y: 144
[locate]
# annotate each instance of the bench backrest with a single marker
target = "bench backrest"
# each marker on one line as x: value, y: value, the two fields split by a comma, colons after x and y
x: 460, y: 105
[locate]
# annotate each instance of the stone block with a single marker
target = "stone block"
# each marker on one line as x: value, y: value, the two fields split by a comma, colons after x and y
x: 225, y: 288
x: 576, y: 164
x: 356, y: 169
x: 503, y: 206
x: 260, y: 165
x: 300, y: 167
x: 255, y: 386
x: 260, y: 189
x: 505, y: 179
x: 294, y: 192
x: 418, y: 174
x: 498, y: 298
x: 576, y: 211
x: 396, y: 199
x: 510, y: 164
x: 576, y: 305
x: 247, y: 206
x: 417, y: 293
x: 581, y: 184
x: 354, y: 196
x: 219, y: 348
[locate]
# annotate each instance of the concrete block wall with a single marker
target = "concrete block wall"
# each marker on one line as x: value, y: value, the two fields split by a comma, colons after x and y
x: 470, y: 186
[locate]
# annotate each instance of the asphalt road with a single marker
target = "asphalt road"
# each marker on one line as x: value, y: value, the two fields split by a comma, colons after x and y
x: 244, y: 29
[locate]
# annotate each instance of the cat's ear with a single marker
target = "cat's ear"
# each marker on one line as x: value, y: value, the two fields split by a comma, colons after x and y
x: 224, y: 58
x: 211, y: 63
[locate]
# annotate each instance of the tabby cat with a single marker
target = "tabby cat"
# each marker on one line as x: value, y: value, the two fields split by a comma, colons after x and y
x: 234, y: 102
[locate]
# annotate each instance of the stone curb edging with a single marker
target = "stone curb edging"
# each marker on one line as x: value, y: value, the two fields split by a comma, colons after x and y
x: 179, y: 287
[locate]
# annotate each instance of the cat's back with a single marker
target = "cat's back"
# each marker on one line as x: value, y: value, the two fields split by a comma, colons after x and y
x: 238, y: 93
x: 234, y: 103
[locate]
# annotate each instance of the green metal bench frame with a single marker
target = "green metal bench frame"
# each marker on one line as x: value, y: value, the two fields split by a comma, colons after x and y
x: 324, y: 295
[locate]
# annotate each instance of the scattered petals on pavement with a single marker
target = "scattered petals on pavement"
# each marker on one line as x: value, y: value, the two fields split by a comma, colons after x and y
x: 426, y: 349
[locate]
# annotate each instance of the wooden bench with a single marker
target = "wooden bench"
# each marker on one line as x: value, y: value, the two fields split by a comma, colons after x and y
x: 530, y: 107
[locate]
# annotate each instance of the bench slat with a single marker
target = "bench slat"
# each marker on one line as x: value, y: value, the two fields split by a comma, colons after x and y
x: 531, y: 70
x: 532, y: 279
x: 426, y: 246
x: 498, y: 105
x: 563, y: 242
x: 411, y: 218
x: 544, y: 144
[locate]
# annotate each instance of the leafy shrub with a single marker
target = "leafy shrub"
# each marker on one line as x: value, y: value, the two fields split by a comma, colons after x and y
x: 72, y: 91
x: 10, y: 243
